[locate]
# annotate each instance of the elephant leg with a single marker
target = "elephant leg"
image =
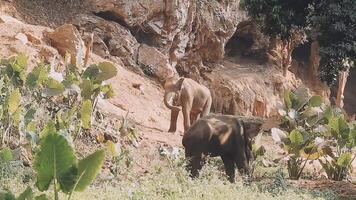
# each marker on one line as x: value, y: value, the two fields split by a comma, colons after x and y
x: 229, y: 167
x: 194, y: 164
x: 241, y: 163
x: 174, y: 118
x: 207, y: 107
x: 193, y: 117
x: 186, y: 116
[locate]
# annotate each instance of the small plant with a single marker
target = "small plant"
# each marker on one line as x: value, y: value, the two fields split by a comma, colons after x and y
x: 312, y: 130
x: 55, y: 162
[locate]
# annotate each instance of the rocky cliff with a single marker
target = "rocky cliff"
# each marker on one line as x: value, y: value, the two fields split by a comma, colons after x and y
x: 211, y: 41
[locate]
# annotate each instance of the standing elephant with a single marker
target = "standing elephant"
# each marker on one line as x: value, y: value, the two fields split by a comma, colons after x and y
x: 226, y: 136
x: 194, y: 98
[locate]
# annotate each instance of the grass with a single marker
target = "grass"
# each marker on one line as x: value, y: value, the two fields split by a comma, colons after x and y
x: 172, y: 182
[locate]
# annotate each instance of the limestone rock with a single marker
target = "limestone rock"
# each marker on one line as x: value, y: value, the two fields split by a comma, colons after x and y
x: 9, y: 19
x: 66, y: 38
x: 150, y: 56
x: 179, y: 29
x: 110, y: 38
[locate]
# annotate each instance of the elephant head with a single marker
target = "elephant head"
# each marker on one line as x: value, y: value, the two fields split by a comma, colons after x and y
x: 172, y: 89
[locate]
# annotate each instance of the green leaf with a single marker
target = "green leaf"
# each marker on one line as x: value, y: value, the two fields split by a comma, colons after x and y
x: 38, y: 76
x: 41, y: 197
x: 26, y: 195
x: 108, y: 91
x: 101, y: 72
x: 19, y: 63
x: 29, y: 116
x: 89, y: 168
x: 107, y: 71
x: 339, y: 127
x: 296, y: 138
x: 344, y: 160
x: 352, y: 137
x: 287, y: 99
x: 16, y: 117
x: 85, y: 113
x: 14, y: 101
x: 315, y: 101
x: 7, y: 196
x: 53, y: 88
x: 68, y: 180
x: 6, y: 155
x: 87, y: 89
x: 49, y: 128
x: 54, y: 159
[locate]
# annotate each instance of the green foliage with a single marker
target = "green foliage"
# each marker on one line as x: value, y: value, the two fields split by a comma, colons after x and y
x: 45, y: 107
x: 5, y: 154
x: 85, y: 113
x: 278, y: 18
x: 335, y: 33
x: 332, y: 23
x: 55, y: 162
x: 54, y: 159
x: 88, y: 168
x: 311, y: 129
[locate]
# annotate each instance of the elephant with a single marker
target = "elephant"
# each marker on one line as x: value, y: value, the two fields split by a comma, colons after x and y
x: 226, y: 136
x: 194, y: 98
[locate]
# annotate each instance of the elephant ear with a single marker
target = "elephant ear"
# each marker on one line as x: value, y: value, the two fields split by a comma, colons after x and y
x: 252, y: 128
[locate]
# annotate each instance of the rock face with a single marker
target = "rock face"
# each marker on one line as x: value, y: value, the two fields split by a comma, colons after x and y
x: 110, y: 38
x: 180, y: 29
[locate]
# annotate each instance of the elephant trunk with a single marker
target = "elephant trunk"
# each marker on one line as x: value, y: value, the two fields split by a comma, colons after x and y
x: 166, y: 94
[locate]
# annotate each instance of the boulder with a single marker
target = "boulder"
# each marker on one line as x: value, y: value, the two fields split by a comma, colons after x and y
x: 150, y: 57
x: 110, y: 38
x: 66, y: 38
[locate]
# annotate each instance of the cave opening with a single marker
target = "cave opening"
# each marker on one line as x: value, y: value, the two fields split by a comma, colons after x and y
x: 139, y: 32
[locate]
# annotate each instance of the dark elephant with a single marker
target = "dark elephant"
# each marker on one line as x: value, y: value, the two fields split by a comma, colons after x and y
x: 221, y: 135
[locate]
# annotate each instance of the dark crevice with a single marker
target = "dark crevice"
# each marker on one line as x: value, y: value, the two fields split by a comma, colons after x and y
x: 110, y: 16
x: 301, y: 53
x: 138, y: 32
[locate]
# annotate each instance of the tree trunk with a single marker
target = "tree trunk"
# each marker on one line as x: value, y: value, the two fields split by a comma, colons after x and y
x: 314, y: 60
x: 287, y: 56
x: 341, y: 87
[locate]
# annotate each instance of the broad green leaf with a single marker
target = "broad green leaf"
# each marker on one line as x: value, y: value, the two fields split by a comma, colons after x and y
x: 26, y: 195
x: 19, y: 63
x: 101, y: 72
x: 89, y: 168
x: 41, y: 197
x: 107, y: 71
x: 352, y: 137
x: 5, y: 154
x: 14, y: 101
x: 315, y: 101
x: 53, y: 87
x: 38, y: 76
x: 16, y: 117
x: 296, y: 138
x: 85, y: 113
x: 344, y: 160
x: 87, y: 89
x: 287, y: 99
x: 68, y: 180
x: 54, y: 159
x: 339, y: 127
x: 29, y: 116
